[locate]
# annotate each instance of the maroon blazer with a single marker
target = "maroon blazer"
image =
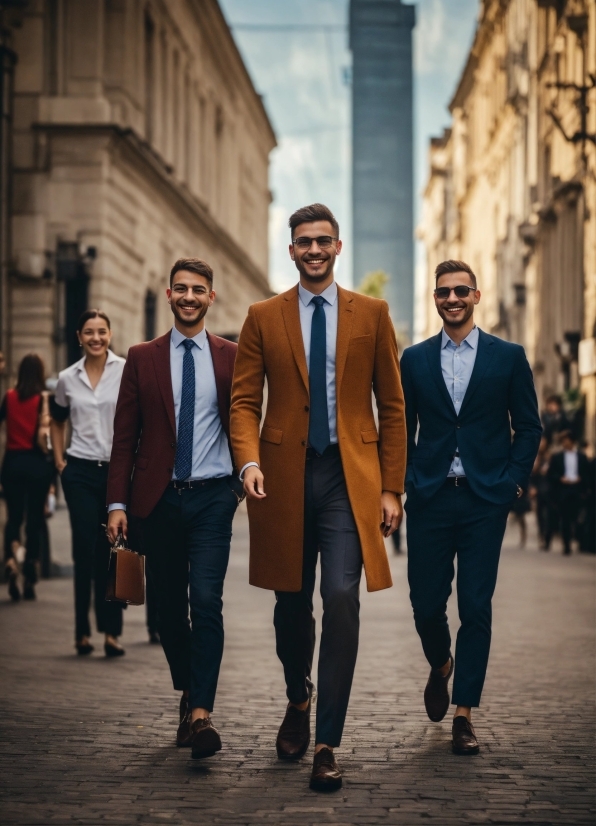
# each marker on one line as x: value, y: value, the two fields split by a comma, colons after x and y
x: 144, y: 446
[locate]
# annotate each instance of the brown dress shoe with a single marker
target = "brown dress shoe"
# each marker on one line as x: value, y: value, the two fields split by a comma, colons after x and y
x: 464, y: 737
x: 183, y: 736
x: 205, y: 739
x: 326, y: 776
x: 293, y: 737
x: 436, y: 694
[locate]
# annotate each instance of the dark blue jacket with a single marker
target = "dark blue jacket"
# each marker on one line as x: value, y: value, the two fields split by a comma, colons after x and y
x: 500, y: 399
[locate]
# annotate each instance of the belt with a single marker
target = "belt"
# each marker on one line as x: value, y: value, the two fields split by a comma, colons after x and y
x: 330, y: 450
x: 193, y: 484
x: 456, y: 481
x: 89, y: 462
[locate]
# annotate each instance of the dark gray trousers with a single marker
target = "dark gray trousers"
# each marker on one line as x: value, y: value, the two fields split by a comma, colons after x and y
x: 329, y: 528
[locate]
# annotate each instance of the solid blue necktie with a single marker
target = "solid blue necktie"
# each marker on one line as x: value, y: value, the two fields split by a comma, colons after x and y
x: 318, y: 427
x: 186, y: 417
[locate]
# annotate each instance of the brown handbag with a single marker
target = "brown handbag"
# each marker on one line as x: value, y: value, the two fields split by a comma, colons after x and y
x: 126, y: 575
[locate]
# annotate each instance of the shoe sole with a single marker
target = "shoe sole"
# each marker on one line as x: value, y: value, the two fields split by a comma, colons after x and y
x: 465, y: 752
x: 291, y: 758
x: 331, y: 786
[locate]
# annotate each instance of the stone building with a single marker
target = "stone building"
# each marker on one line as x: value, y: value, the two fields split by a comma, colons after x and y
x: 382, y: 150
x: 132, y: 135
x: 512, y: 188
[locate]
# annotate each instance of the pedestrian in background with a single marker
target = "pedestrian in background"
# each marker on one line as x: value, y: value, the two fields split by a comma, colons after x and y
x: 540, y: 495
x: 553, y: 418
x: 26, y: 472
x: 569, y: 479
x: 86, y: 394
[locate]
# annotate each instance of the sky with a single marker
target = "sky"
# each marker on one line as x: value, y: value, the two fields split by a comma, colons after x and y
x: 298, y: 57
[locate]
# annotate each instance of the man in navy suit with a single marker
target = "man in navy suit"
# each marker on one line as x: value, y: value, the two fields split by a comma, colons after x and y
x: 465, y: 392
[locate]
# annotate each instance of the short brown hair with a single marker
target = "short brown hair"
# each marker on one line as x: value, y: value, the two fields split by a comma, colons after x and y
x: 310, y: 214
x: 450, y: 266
x: 192, y: 265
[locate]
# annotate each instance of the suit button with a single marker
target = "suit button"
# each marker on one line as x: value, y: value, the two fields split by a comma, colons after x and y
x: 303, y: 443
x: 170, y: 470
x: 173, y: 444
x: 306, y: 408
x: 459, y: 427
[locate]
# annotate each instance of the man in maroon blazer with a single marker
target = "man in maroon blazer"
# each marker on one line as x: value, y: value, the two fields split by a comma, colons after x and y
x: 171, y: 467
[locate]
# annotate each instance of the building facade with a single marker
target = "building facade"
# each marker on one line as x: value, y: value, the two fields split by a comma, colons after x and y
x: 382, y: 150
x: 133, y: 136
x: 512, y: 189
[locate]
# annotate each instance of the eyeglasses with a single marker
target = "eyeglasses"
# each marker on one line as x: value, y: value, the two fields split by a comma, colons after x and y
x: 461, y: 291
x: 323, y: 241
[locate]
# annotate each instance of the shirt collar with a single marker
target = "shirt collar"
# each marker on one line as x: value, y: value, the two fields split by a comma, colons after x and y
x: 471, y: 339
x: 329, y: 294
x: 111, y: 357
x: 199, y: 339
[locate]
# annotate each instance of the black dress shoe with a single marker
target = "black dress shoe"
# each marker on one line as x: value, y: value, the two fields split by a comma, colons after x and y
x: 205, y: 739
x: 293, y: 737
x: 83, y: 647
x: 326, y: 776
x: 183, y: 735
x: 113, y: 650
x: 436, y: 694
x: 464, y: 737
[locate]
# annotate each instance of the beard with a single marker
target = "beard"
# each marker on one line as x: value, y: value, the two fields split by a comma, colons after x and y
x: 187, y: 322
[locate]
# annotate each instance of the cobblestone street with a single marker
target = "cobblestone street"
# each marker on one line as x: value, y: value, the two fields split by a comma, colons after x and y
x: 88, y: 741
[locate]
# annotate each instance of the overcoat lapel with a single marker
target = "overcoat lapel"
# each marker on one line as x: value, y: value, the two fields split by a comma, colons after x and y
x: 345, y: 318
x: 161, y: 363
x: 433, y: 354
x: 484, y: 357
x: 291, y: 316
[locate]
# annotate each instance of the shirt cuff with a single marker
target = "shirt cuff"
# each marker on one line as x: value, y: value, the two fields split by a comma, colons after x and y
x: 116, y: 506
x: 248, y: 464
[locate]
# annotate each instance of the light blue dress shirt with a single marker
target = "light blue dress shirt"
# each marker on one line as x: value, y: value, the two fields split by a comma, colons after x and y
x: 210, y: 451
x: 307, y: 309
x: 457, y: 363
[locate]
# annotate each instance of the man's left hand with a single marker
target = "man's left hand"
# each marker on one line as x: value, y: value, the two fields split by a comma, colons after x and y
x: 393, y: 512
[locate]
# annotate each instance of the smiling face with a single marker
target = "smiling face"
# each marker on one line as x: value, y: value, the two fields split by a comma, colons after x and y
x: 456, y: 311
x: 315, y: 264
x: 190, y: 297
x: 95, y: 337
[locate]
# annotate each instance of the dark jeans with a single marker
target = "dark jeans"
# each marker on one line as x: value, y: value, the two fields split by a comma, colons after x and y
x: 186, y: 539
x: 85, y: 488
x: 26, y: 477
x: 329, y: 528
x: 456, y: 522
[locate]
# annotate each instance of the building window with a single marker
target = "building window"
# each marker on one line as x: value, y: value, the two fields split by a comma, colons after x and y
x: 150, y: 315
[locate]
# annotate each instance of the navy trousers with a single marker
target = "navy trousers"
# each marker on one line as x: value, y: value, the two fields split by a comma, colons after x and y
x: 455, y: 522
x: 186, y: 540
x: 329, y: 529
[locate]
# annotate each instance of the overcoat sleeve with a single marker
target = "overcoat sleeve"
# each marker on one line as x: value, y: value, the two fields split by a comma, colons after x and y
x: 390, y: 405
x: 127, y: 429
x: 247, y: 393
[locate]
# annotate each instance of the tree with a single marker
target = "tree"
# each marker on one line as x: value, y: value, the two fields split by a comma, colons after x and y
x: 373, y: 284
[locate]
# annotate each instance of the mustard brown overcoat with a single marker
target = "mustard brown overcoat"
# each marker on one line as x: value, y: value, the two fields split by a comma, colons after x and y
x: 271, y: 349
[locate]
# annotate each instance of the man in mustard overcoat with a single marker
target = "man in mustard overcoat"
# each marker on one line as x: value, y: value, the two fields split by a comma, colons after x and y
x: 319, y: 475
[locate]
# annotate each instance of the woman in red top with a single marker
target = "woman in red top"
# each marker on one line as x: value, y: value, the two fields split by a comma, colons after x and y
x: 26, y: 473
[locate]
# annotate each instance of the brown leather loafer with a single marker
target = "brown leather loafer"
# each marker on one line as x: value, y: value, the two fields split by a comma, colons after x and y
x: 183, y: 735
x: 205, y: 739
x: 293, y: 737
x: 436, y: 694
x: 326, y: 776
x: 464, y: 737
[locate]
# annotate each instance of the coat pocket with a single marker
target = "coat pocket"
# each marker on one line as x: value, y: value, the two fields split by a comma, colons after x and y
x: 369, y: 436
x: 272, y: 435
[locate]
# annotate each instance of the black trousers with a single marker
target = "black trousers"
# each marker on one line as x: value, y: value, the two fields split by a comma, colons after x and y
x: 329, y: 529
x: 26, y: 477
x: 85, y: 489
x: 456, y: 522
x: 569, y: 502
x: 186, y: 539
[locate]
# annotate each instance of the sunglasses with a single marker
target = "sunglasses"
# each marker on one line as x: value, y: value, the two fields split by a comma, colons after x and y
x: 323, y: 242
x: 461, y: 291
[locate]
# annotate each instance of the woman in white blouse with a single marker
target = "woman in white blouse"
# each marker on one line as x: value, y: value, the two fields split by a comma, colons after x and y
x: 87, y: 393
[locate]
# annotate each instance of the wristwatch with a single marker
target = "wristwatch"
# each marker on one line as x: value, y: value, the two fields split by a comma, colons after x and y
x: 519, y: 491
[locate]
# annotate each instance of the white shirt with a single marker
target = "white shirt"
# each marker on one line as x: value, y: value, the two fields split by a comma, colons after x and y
x: 457, y: 364
x: 210, y: 450
x: 571, y: 465
x: 91, y: 411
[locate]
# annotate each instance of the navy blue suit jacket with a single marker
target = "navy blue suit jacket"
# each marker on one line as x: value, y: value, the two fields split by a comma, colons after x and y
x: 500, y: 398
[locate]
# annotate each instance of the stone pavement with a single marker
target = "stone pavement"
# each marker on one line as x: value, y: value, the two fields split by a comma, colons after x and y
x: 90, y: 741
